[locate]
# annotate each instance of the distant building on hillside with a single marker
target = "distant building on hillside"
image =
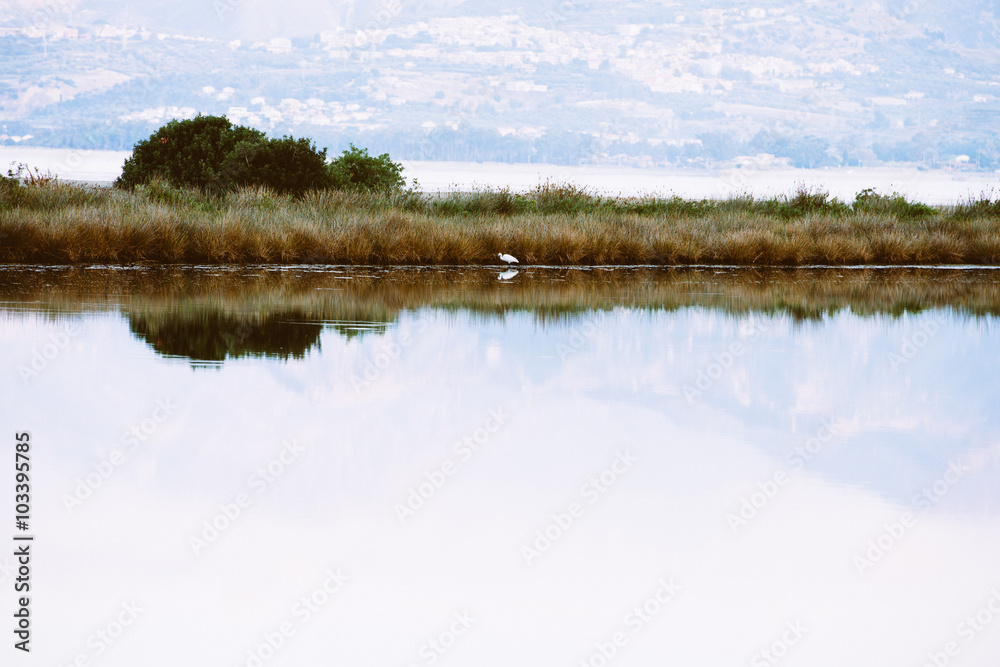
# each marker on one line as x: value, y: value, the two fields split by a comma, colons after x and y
x: 279, y: 45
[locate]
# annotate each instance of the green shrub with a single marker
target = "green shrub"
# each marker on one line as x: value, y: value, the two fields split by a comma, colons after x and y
x: 211, y: 154
x: 187, y: 153
x: 562, y: 198
x: 674, y: 207
x: 356, y: 169
x: 802, y: 202
x: 29, y: 188
x: 806, y: 201
x: 159, y: 191
x: 286, y: 165
x: 12, y: 193
x: 984, y: 207
x: 483, y: 202
x: 896, y: 205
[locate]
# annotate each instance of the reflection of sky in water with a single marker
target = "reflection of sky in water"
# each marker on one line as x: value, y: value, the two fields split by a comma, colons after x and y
x: 573, y: 395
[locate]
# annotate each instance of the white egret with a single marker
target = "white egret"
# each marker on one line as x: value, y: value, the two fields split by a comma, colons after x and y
x: 510, y: 259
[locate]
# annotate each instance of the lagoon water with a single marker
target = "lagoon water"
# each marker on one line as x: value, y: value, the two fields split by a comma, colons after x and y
x: 314, y: 466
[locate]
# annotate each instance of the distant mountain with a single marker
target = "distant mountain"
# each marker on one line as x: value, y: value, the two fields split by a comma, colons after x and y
x: 820, y: 83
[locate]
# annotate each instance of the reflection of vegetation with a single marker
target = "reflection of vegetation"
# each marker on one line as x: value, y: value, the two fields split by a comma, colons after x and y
x: 212, y: 314
x: 213, y: 336
x: 351, y: 330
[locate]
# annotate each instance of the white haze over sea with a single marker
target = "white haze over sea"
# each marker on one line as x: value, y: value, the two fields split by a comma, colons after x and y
x: 936, y: 187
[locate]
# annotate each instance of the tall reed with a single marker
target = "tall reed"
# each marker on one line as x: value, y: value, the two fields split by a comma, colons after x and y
x: 53, y: 222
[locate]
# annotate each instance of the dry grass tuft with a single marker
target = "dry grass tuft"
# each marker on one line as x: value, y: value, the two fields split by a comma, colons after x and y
x: 49, y: 222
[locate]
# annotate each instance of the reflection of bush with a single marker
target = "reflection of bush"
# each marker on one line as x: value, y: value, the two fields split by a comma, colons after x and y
x: 208, y: 336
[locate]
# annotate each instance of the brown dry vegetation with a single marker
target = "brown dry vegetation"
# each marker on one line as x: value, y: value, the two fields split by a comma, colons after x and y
x: 376, y: 294
x: 54, y: 223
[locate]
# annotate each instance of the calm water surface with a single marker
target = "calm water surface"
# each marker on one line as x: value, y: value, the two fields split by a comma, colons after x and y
x: 404, y: 467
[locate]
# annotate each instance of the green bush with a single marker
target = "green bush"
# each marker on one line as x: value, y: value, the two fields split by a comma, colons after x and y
x: 286, y: 165
x: 805, y: 201
x: 552, y: 197
x: 896, y: 205
x: 484, y: 202
x: 12, y: 193
x: 356, y: 169
x: 211, y: 154
x: 984, y: 207
x: 800, y: 203
x: 187, y: 153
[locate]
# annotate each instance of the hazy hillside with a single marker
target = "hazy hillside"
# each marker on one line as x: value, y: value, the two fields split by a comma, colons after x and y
x: 818, y: 83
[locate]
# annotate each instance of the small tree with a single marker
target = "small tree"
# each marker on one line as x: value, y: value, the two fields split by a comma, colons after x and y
x: 357, y: 169
x: 211, y: 154
x: 187, y: 153
x: 285, y: 165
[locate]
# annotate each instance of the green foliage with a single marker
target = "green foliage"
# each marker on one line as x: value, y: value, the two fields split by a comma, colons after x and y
x: 806, y: 201
x: 675, y: 207
x: 802, y: 202
x: 984, y: 207
x: 356, y: 169
x: 568, y: 199
x: 161, y: 192
x: 286, y: 165
x: 29, y: 188
x: 562, y: 198
x: 482, y: 202
x: 896, y: 205
x: 211, y: 154
x: 187, y: 153
x: 12, y: 193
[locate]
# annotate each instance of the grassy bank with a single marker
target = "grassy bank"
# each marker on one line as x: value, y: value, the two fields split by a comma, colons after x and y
x: 52, y: 222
